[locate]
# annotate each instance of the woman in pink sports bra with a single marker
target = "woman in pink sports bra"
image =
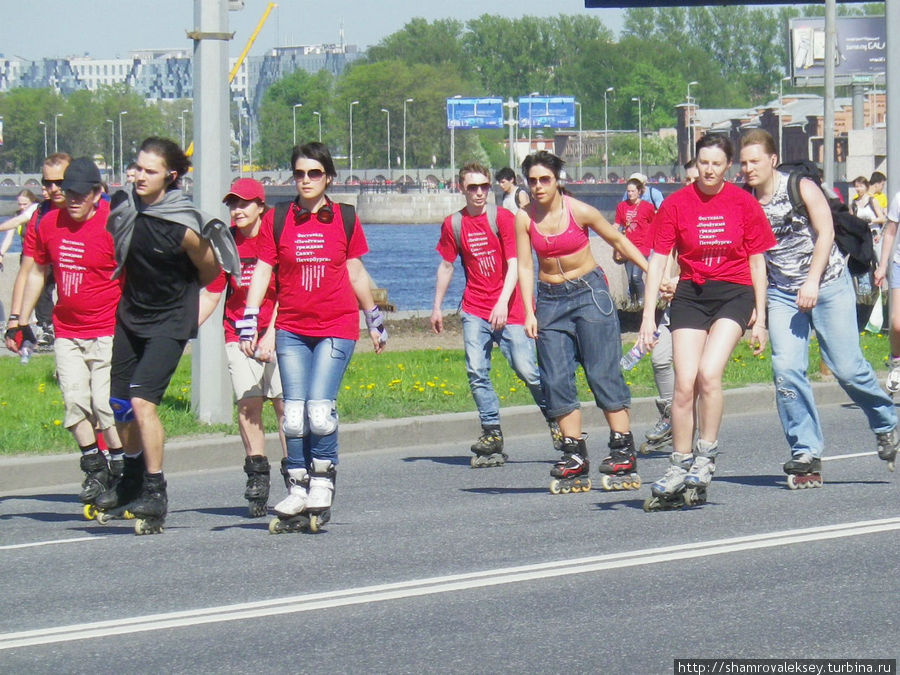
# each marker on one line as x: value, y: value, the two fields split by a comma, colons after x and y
x: 575, y: 322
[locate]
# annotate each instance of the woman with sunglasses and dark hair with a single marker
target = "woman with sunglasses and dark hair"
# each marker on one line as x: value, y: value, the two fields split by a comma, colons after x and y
x: 575, y: 321
x: 321, y: 284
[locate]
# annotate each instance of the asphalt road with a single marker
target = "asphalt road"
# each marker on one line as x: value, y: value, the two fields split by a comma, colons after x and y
x: 430, y: 566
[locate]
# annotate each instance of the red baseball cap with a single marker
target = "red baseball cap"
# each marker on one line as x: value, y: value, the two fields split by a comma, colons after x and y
x: 248, y: 189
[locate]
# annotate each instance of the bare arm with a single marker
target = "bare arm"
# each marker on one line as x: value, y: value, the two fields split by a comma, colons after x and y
x: 500, y: 312
x: 17, y: 220
x: 442, y: 283
x: 208, y: 303
x: 821, y: 222
x: 200, y: 251
x: 525, y: 265
x: 889, y: 236
x: 590, y: 217
x: 758, y: 335
x: 655, y: 271
x: 362, y: 286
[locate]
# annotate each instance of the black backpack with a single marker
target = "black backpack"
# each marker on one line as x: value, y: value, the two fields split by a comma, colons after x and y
x: 851, y: 234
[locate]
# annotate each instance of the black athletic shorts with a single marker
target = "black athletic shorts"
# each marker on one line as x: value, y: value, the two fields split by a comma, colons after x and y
x: 143, y: 366
x: 698, y: 306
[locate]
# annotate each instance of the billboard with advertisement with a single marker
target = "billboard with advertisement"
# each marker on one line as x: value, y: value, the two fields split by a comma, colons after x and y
x: 556, y: 112
x: 860, y: 48
x: 474, y: 113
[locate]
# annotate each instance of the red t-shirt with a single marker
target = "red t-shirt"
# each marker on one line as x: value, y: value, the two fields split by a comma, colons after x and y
x: 45, y: 208
x: 237, y: 296
x: 714, y: 235
x: 83, y: 262
x: 315, y: 297
x: 636, y: 221
x: 484, y: 258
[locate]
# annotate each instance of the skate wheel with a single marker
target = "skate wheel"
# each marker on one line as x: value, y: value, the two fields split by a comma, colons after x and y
x: 554, y: 487
x: 891, y: 465
x: 792, y: 482
x: 586, y: 486
x: 103, y: 518
x: 275, y: 526
x: 606, y: 483
x: 89, y: 511
x: 651, y: 504
x: 636, y: 483
x: 314, y: 522
x: 142, y: 527
x: 645, y: 448
x: 565, y: 489
x: 473, y: 462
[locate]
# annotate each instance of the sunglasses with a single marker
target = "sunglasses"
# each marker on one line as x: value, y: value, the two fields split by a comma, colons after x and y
x: 313, y: 174
x: 49, y: 183
x: 543, y: 180
x: 478, y: 187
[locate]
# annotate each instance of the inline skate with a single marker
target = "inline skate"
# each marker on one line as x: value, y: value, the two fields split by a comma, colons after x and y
x: 257, y: 491
x: 619, y: 469
x: 127, y: 478
x: 704, y: 466
x: 803, y: 471
x: 150, y: 508
x: 670, y: 491
x: 488, y: 449
x: 888, y: 443
x: 308, y: 506
x: 97, y: 477
x: 892, y: 384
x: 572, y: 472
x: 661, y: 434
x: 556, y: 434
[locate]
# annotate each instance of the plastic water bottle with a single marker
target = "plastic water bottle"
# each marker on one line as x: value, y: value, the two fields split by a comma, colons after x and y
x: 26, y: 351
x: 634, y: 355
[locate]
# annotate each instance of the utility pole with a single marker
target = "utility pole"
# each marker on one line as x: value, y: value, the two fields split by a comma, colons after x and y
x: 211, y: 391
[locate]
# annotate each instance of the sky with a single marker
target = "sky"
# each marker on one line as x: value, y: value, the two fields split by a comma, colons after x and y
x: 111, y: 29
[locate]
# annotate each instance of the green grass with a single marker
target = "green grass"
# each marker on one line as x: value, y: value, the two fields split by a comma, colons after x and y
x: 390, y: 385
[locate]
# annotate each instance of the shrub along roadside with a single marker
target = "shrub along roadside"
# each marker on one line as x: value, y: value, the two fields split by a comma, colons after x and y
x: 390, y: 385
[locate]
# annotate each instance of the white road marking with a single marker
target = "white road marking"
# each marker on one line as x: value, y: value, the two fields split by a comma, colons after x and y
x: 444, y: 584
x: 48, y: 543
x: 848, y: 456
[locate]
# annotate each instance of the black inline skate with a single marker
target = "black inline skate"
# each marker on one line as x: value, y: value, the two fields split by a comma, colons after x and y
x: 488, y: 449
x: 556, y: 434
x: 803, y: 471
x: 308, y: 506
x: 150, y: 508
x: 661, y: 434
x: 572, y: 472
x: 97, y: 477
x: 670, y: 492
x: 619, y: 469
x: 127, y: 478
x: 257, y: 491
x: 888, y: 443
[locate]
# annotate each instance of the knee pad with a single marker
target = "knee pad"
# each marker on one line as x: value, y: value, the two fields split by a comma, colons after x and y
x: 323, y: 417
x: 294, y: 425
x: 122, y: 410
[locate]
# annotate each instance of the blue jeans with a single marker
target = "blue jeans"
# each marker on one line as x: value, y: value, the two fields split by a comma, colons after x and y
x: 834, y: 320
x: 311, y: 370
x: 577, y: 323
x: 516, y: 347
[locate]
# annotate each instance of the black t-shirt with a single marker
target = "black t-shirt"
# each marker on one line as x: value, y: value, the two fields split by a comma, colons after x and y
x: 161, y: 295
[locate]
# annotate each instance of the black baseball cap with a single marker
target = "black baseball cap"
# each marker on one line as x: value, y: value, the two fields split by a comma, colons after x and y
x: 81, y: 176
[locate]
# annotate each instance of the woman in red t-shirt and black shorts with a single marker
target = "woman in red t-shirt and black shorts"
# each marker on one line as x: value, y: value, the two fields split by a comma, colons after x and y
x: 322, y: 284
x: 720, y: 233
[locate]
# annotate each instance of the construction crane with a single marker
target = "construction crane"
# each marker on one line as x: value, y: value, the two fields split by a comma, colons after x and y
x: 240, y: 60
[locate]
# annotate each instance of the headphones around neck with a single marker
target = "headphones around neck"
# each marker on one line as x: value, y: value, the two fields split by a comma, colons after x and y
x: 325, y: 214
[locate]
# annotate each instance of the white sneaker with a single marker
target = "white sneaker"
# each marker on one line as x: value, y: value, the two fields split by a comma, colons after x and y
x: 296, y: 500
x: 321, y: 485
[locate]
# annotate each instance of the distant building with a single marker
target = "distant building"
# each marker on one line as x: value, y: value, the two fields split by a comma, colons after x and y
x: 166, y: 74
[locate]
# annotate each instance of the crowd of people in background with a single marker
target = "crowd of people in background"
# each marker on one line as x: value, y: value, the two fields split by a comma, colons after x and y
x: 137, y: 272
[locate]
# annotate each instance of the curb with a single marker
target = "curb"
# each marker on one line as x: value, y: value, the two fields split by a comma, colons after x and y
x: 206, y: 452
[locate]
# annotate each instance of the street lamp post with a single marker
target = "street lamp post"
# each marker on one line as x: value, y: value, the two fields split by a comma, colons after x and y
x: 352, y: 103
x: 111, y: 163
x: 531, y: 117
x: 249, y: 141
x: 294, y: 116
x: 121, y: 156
x: 691, y: 108
x: 606, y: 135
x: 241, y: 139
x: 183, y: 137
x: 580, y: 168
x: 388, y: 113
x: 409, y: 100
x: 640, y: 136
x: 56, y: 131
x: 319, y: 115
x: 44, y: 124
x: 781, y: 116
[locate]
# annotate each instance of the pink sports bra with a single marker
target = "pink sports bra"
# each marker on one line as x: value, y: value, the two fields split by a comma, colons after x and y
x: 571, y: 240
